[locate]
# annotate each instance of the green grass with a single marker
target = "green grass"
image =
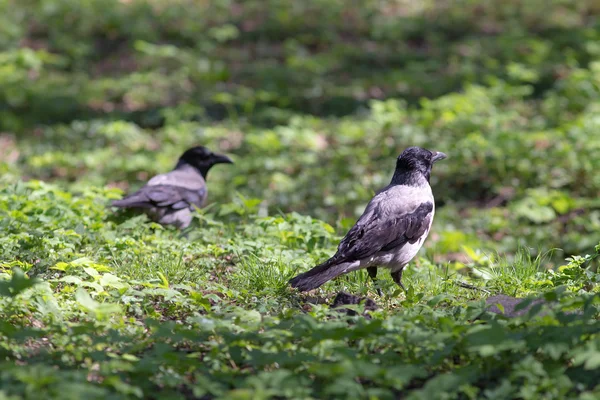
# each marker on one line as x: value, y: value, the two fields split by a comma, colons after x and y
x: 314, y: 101
x: 125, y: 308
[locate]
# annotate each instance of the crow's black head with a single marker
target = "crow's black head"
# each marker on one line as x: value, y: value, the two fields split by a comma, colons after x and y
x: 202, y: 159
x: 414, y: 163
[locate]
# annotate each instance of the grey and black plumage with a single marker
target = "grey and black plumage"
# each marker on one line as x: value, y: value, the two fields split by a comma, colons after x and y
x: 392, y: 228
x: 170, y: 198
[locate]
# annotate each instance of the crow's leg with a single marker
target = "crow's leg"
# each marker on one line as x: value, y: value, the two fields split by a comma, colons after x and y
x: 397, y: 277
x: 372, y: 271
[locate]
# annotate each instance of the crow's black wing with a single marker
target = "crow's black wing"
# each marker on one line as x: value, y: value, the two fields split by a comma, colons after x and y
x: 381, y: 231
x: 175, y: 197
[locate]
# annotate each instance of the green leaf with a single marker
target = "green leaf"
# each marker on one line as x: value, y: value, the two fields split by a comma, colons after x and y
x: 18, y: 283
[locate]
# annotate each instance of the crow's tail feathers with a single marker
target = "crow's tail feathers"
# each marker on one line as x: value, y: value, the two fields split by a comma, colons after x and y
x: 135, y: 200
x: 317, y: 276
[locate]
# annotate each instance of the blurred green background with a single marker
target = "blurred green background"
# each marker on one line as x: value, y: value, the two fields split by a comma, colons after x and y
x: 314, y: 100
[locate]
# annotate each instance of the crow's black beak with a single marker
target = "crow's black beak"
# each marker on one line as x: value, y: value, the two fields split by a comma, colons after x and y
x: 221, y: 159
x: 437, y: 156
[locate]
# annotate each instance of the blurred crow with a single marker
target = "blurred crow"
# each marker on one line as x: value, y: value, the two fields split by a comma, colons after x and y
x: 392, y: 228
x: 170, y: 198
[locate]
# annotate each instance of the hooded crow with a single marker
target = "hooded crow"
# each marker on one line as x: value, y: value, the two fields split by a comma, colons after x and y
x: 392, y: 228
x: 170, y: 198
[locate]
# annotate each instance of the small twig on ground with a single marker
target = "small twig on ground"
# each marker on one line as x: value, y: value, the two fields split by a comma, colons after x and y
x: 467, y: 286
